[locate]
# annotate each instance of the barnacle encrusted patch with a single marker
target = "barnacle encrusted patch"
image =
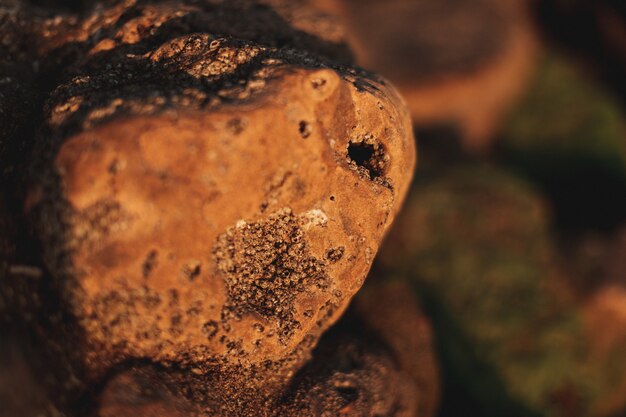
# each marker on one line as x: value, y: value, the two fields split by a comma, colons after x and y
x: 265, y: 265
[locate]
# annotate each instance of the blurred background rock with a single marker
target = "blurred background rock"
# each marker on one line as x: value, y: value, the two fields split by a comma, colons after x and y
x: 513, y: 235
x: 461, y: 62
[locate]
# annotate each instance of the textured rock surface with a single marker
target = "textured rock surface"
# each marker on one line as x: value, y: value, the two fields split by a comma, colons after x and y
x: 209, y: 188
x: 360, y: 368
x: 459, y: 62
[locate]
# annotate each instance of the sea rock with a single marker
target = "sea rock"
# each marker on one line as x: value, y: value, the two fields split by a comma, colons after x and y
x: 208, y: 192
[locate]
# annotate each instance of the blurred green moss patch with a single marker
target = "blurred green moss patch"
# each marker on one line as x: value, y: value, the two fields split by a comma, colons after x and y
x: 476, y: 243
x: 568, y: 135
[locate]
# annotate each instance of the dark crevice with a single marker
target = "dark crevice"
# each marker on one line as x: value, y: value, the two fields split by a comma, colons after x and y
x: 348, y: 394
x: 360, y: 153
x: 61, y: 5
x: 150, y: 263
x: 305, y: 129
x: 585, y: 193
x: 368, y: 157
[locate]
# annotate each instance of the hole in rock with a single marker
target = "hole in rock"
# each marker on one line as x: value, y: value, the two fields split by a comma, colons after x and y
x: 368, y: 156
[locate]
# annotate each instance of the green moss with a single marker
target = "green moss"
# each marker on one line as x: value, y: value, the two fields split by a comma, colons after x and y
x: 476, y: 244
x: 569, y: 136
x: 565, y: 112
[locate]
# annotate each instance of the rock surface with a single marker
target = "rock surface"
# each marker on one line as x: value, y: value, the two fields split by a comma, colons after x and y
x: 209, y: 188
x: 360, y: 368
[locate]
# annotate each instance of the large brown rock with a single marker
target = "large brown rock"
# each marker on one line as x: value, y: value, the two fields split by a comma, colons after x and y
x: 209, y: 189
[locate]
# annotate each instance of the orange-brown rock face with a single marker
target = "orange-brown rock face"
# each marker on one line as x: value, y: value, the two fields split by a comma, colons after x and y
x: 237, y: 226
x: 206, y: 201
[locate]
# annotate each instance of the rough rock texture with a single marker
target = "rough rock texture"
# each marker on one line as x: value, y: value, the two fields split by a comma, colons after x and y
x: 209, y: 188
x: 359, y: 368
x: 459, y: 62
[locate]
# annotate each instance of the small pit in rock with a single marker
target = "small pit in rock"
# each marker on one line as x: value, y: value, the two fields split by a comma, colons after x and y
x: 348, y: 394
x: 368, y: 157
x: 305, y: 129
x: 149, y: 263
